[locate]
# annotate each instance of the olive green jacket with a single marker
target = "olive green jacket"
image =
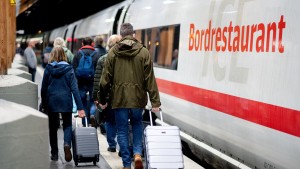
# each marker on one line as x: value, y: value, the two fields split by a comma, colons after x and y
x: 129, y: 71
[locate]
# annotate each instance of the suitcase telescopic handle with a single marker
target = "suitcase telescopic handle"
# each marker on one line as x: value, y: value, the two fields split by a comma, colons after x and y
x: 161, y: 117
x: 76, y: 116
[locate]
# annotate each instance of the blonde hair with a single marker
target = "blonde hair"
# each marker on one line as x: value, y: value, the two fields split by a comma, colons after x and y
x: 59, y: 42
x: 113, y: 39
x: 57, y: 54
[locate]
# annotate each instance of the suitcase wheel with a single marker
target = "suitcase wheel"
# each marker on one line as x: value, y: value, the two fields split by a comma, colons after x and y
x: 95, y: 162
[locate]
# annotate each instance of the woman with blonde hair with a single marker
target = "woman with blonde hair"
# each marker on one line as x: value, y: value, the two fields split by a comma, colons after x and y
x: 58, y: 85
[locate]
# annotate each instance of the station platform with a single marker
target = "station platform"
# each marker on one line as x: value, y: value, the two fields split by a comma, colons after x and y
x: 107, y: 160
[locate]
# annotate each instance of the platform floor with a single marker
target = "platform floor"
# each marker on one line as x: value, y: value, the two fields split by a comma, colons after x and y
x: 108, y: 160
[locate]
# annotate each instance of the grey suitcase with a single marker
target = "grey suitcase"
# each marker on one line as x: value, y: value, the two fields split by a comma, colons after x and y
x: 85, y: 144
x: 163, y: 146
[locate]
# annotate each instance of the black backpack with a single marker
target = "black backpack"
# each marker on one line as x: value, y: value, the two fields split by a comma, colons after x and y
x: 85, y: 69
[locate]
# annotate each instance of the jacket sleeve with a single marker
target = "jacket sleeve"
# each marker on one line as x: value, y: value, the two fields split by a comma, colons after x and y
x: 75, y: 91
x: 101, y: 67
x: 150, y: 81
x: 44, y: 88
x: 106, y: 77
x: 97, y: 77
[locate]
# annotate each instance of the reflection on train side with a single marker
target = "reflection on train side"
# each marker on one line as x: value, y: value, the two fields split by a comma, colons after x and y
x: 163, y: 43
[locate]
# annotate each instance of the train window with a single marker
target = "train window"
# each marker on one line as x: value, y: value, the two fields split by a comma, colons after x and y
x: 162, y: 43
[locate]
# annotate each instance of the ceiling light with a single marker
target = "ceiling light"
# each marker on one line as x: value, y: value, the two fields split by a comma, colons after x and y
x: 168, y: 2
x: 109, y: 20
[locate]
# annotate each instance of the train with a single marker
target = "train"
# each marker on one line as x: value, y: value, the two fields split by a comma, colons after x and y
x: 235, y: 87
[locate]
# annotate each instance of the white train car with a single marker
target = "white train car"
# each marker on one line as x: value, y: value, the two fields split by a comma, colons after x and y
x: 235, y: 85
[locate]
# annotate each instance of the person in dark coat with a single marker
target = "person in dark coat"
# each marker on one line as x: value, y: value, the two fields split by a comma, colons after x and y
x: 109, y: 115
x: 99, y: 45
x: 46, y: 53
x: 58, y: 85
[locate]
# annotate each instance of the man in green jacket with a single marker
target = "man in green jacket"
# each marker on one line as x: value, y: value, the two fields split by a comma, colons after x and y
x: 128, y: 76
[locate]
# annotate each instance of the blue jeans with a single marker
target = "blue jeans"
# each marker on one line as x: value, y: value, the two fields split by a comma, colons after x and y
x: 53, y: 126
x: 111, y: 131
x: 93, y: 109
x: 87, y: 101
x: 135, y: 115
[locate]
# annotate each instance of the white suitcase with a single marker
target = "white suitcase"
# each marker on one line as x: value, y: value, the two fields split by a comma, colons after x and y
x: 163, y: 147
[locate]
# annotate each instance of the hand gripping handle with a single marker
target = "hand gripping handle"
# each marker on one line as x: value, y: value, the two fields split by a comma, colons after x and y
x: 76, y: 116
x: 161, y: 117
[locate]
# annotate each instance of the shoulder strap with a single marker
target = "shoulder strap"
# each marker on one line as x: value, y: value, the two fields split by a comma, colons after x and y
x: 81, y: 52
x: 93, y: 53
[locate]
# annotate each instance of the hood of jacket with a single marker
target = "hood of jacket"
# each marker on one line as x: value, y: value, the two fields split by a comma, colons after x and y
x: 59, y: 69
x: 127, y: 47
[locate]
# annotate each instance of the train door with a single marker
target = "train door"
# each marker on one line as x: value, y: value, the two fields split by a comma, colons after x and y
x: 46, y: 37
x: 65, y: 34
x: 73, y: 47
x: 116, y: 22
x: 119, y: 18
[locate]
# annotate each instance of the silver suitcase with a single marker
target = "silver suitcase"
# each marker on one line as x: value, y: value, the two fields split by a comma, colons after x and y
x: 163, y: 146
x: 85, y: 144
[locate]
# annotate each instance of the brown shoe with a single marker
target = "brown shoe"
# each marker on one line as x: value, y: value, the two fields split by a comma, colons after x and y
x: 68, y: 154
x: 138, y: 162
x: 93, y: 121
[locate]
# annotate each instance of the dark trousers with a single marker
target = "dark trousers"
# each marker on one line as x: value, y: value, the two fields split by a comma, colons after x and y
x: 53, y: 127
x: 32, y: 71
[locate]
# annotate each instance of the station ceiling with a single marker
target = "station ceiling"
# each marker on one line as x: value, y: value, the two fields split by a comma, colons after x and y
x: 45, y: 15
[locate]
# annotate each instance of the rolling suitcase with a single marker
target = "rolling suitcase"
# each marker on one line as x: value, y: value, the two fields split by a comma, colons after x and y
x: 163, y: 146
x: 85, y: 144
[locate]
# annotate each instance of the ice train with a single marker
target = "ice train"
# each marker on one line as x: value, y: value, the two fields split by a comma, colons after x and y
x: 235, y: 87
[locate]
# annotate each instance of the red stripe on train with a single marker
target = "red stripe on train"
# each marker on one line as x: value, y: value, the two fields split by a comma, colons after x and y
x: 275, y: 117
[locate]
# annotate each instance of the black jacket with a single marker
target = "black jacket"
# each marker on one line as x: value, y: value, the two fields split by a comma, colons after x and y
x: 58, y: 84
x: 101, y: 50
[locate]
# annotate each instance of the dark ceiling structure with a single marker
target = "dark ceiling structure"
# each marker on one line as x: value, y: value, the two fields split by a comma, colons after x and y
x: 45, y: 15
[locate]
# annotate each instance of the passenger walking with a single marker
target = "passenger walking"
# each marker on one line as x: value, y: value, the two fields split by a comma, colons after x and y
x: 102, y: 51
x: 46, y: 54
x: 61, y: 42
x: 84, y: 64
x: 175, y: 59
x: 31, y: 60
x: 109, y: 116
x: 99, y: 45
x: 127, y: 77
x: 19, y: 50
x: 58, y: 85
